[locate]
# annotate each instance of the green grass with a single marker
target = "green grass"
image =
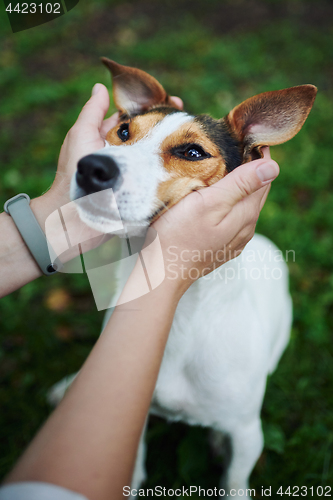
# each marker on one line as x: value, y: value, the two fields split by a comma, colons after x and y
x: 47, y: 75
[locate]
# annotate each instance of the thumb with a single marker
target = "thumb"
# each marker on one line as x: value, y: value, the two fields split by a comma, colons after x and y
x: 95, y: 109
x: 240, y: 183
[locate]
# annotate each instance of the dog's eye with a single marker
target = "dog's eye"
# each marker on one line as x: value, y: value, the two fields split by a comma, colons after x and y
x: 123, y: 132
x: 192, y: 152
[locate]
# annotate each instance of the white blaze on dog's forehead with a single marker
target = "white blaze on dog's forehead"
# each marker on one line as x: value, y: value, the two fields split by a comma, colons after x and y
x: 166, y: 127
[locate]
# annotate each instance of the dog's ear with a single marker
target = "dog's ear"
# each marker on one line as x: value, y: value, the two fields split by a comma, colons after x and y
x: 270, y: 118
x: 134, y: 90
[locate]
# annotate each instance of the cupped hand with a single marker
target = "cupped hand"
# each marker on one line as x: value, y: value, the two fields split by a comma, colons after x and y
x: 219, y: 218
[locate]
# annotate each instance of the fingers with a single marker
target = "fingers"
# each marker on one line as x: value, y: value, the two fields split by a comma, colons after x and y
x: 256, y: 199
x: 176, y: 101
x: 264, y: 197
x: 266, y: 152
x: 95, y: 109
x: 245, y: 180
x: 245, y: 213
x: 260, y: 196
x: 109, y: 123
x: 245, y: 232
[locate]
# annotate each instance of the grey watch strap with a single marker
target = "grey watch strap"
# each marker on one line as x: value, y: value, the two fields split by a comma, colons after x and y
x: 19, y: 209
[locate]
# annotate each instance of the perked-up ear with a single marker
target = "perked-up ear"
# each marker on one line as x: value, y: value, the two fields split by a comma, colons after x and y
x: 270, y: 118
x: 134, y: 90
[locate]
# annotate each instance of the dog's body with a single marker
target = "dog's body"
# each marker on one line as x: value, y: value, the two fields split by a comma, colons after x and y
x: 230, y: 327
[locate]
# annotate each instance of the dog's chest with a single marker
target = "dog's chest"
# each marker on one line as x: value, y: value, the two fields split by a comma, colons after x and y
x: 209, y: 363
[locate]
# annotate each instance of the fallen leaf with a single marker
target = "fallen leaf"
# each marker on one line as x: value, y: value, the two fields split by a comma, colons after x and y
x: 58, y: 299
x: 63, y: 332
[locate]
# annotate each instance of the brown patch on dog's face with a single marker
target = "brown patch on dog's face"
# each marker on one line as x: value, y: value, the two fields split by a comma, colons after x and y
x: 138, y: 128
x: 188, y: 175
x: 188, y: 155
x: 208, y: 168
x: 172, y: 191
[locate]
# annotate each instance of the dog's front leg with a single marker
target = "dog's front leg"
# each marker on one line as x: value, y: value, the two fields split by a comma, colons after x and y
x: 247, y: 444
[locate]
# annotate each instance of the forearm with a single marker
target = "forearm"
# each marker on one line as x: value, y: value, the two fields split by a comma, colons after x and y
x: 89, y: 444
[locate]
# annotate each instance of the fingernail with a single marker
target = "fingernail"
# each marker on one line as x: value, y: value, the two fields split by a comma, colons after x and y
x: 96, y: 88
x: 267, y: 171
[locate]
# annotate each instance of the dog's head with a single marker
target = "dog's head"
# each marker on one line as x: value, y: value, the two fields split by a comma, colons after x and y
x: 158, y: 154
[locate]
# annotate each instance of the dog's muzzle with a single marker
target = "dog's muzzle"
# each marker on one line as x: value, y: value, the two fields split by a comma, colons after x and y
x: 97, y: 172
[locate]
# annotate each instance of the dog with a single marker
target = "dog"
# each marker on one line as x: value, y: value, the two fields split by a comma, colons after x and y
x: 227, y: 334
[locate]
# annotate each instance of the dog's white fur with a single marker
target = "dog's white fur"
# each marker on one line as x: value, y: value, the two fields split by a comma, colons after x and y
x: 229, y: 330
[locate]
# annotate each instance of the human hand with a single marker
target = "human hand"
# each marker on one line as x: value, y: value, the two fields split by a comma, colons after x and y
x: 85, y: 137
x: 219, y: 218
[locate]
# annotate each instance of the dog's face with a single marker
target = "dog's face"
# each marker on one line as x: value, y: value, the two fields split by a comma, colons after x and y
x: 158, y: 154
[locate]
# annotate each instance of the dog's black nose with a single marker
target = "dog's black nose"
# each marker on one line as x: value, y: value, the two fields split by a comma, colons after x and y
x: 96, y: 172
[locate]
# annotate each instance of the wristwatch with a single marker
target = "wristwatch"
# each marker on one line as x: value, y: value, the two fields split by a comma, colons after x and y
x: 19, y: 209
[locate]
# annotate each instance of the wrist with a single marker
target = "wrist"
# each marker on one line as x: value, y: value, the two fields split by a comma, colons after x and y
x: 44, y: 205
x: 67, y: 235
x: 157, y: 270
x: 17, y: 265
x: 145, y: 285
